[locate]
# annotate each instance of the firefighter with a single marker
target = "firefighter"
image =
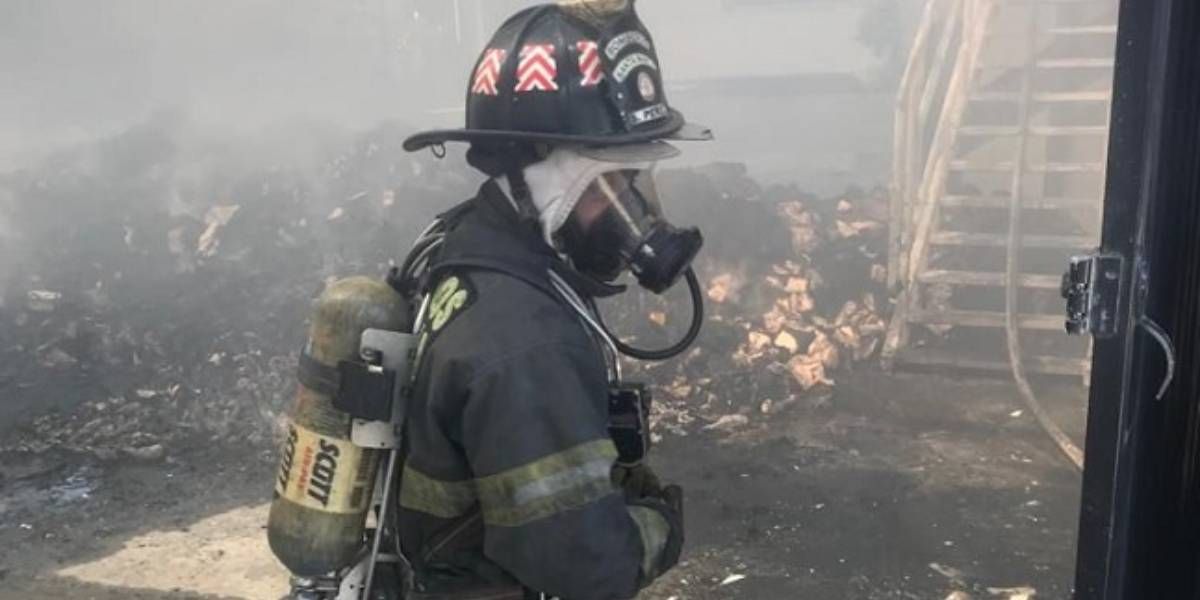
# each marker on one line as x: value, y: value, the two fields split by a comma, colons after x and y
x: 511, y: 486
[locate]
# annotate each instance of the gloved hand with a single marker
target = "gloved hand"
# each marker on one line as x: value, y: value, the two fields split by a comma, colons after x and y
x: 637, y: 481
x: 660, y: 521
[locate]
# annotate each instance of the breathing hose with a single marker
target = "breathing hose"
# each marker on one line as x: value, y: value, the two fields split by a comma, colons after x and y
x: 697, y: 295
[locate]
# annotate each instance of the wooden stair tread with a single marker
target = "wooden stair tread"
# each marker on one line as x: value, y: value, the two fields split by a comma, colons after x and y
x: 961, y: 238
x: 1076, y: 63
x: 988, y: 167
x: 1061, y: 130
x: 1045, y: 97
x: 983, y: 318
x: 1050, y: 365
x: 1073, y: 62
x: 1054, y: 167
x: 1068, y: 167
x: 1042, y: 130
x: 961, y: 201
x: 1086, y: 96
x: 989, y: 279
x: 1084, y: 30
x: 988, y: 130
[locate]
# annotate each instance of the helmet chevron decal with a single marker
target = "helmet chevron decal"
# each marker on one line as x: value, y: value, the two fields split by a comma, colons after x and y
x: 488, y: 73
x: 538, y: 69
x: 589, y: 63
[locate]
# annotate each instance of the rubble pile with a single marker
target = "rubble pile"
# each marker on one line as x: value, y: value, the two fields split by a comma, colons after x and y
x: 162, y: 290
x: 160, y: 294
x: 796, y: 289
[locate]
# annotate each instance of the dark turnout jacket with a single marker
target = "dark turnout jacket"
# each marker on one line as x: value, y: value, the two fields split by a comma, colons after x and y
x: 507, y: 483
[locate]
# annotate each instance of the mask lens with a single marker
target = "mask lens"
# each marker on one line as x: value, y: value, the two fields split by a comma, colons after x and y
x: 621, y: 225
x: 625, y: 192
x: 643, y: 185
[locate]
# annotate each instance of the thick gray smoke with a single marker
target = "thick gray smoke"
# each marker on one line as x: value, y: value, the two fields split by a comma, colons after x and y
x: 799, y: 103
x: 82, y: 70
x: 8, y: 246
x: 251, y: 83
x: 239, y: 86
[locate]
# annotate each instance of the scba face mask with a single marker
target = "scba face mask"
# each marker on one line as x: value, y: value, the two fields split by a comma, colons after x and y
x: 618, y: 223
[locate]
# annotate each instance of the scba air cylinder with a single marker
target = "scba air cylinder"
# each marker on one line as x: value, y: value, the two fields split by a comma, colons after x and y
x: 324, y: 485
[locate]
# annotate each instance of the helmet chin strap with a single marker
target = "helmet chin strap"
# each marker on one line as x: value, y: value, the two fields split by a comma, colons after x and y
x: 506, y: 163
x: 518, y: 189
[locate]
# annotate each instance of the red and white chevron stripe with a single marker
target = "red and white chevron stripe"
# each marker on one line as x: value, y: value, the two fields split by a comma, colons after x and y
x: 538, y: 69
x: 589, y: 63
x: 488, y: 73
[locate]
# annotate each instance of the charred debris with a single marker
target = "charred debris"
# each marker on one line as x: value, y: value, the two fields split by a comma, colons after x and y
x: 154, y: 289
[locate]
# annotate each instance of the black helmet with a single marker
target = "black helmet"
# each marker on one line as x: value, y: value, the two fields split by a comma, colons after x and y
x: 568, y: 75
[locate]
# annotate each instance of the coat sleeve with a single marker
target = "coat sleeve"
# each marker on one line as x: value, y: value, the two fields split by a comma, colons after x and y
x: 535, y: 434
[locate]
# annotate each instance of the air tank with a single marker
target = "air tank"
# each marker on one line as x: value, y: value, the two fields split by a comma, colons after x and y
x: 324, y: 484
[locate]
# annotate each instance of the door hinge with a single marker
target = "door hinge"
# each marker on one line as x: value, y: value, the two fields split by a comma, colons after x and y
x: 1092, y: 289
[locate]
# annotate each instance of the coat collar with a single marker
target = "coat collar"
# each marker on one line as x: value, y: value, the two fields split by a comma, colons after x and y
x: 491, y: 235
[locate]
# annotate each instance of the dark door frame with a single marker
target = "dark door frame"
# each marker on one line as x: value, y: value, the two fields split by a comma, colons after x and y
x: 1139, y: 536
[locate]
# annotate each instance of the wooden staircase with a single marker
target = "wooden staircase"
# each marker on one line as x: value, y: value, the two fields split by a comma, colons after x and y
x: 1001, y: 141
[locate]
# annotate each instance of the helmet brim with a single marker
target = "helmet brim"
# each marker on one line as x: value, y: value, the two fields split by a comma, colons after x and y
x: 675, y: 128
x: 630, y: 154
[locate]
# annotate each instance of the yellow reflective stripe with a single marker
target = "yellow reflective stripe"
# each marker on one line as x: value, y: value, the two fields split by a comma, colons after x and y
x: 655, y: 532
x: 548, y: 486
x: 444, y: 499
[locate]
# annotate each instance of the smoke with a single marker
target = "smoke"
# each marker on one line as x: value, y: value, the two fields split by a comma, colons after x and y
x: 8, y: 246
x: 79, y: 71
x: 145, y: 254
x: 796, y: 103
x: 235, y: 88
x: 182, y: 177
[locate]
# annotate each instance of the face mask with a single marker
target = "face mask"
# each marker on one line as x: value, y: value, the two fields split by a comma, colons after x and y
x: 618, y: 224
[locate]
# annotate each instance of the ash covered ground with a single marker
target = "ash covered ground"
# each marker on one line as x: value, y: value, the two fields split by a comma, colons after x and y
x: 153, y: 295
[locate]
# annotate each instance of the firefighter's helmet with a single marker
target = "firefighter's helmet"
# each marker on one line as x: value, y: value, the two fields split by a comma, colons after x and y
x: 581, y: 72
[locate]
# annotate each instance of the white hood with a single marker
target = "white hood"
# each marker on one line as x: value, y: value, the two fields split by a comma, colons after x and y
x: 557, y: 183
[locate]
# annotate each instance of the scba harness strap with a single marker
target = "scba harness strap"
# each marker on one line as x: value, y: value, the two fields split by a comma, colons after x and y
x: 359, y: 389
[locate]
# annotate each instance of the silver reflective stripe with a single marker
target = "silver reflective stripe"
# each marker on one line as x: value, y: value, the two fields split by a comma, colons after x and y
x: 548, y: 486
x: 556, y: 484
